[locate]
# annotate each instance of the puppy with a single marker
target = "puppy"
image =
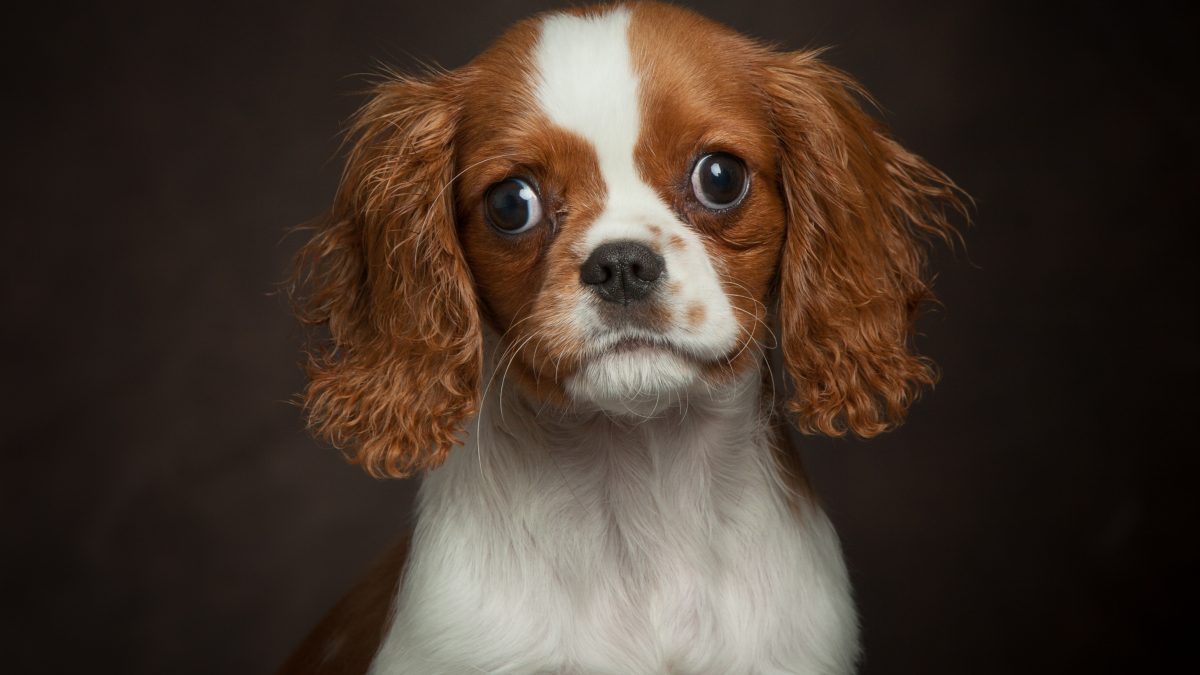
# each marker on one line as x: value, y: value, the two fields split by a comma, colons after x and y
x: 550, y: 280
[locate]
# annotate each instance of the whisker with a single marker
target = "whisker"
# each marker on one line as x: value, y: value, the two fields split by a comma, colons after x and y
x: 504, y: 377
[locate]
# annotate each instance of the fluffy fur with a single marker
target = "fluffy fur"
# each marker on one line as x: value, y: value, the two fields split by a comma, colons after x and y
x: 608, y: 490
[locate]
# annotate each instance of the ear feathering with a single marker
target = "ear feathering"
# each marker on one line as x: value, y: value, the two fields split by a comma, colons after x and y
x: 399, y: 371
x: 860, y: 211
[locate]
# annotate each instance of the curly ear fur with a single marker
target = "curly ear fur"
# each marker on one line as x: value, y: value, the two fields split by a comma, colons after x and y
x: 852, y: 276
x: 400, y: 370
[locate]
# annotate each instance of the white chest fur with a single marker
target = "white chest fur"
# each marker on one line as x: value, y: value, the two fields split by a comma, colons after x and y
x: 593, y: 545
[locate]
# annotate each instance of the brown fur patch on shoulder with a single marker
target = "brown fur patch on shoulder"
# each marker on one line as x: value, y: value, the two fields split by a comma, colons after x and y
x: 346, y: 640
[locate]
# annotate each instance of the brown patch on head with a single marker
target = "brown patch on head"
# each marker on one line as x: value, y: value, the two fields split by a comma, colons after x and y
x: 527, y: 282
x: 406, y: 264
x: 698, y: 95
x: 837, y: 211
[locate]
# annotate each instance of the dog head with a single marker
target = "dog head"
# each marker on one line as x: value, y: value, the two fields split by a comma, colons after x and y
x: 622, y: 196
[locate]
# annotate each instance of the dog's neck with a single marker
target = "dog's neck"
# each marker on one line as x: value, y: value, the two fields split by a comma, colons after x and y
x: 569, y: 541
x: 684, y: 457
x: 585, y: 490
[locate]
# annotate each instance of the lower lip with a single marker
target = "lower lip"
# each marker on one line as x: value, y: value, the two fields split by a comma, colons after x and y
x: 630, y: 346
x: 634, y: 345
x: 648, y: 348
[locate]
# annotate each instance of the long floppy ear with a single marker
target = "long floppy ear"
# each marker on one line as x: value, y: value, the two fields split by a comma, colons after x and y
x: 400, y: 371
x: 860, y: 209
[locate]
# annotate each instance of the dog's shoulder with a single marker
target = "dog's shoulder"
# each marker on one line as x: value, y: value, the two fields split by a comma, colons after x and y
x: 345, y: 641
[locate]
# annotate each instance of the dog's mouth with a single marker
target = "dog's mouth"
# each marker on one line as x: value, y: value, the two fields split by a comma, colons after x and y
x: 641, y: 345
x: 631, y: 344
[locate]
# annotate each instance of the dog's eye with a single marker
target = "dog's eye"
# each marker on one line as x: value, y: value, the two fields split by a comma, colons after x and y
x: 512, y: 206
x: 719, y: 180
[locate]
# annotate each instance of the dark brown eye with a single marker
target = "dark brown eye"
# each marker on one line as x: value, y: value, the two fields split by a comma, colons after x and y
x: 720, y: 180
x: 512, y: 206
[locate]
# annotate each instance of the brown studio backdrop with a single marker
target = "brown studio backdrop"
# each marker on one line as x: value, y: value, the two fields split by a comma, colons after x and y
x: 165, y: 512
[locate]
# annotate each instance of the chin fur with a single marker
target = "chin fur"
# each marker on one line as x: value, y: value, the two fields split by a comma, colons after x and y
x: 638, y: 382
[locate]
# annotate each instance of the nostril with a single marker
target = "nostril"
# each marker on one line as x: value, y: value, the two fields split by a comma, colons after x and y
x: 649, y: 267
x: 622, y: 271
x: 595, y: 272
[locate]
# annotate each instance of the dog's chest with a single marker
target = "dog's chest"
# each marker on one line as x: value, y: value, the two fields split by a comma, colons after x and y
x: 639, y: 589
x: 674, y: 552
x: 660, y: 582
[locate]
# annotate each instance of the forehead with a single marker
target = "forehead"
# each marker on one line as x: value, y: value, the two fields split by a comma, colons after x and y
x: 602, y: 80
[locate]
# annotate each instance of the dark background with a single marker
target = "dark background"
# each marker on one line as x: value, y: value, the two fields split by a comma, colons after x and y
x: 164, y: 512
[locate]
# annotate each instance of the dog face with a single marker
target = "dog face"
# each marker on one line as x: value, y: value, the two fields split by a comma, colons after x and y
x: 619, y: 194
x: 620, y: 216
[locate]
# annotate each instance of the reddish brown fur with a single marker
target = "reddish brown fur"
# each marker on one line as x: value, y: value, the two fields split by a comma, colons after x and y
x: 852, y: 274
x: 851, y: 208
x: 696, y: 80
x: 386, y: 275
x: 345, y: 641
x: 527, y: 283
x: 406, y: 265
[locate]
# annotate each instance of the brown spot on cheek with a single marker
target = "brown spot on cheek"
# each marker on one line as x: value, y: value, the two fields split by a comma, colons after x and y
x: 699, y: 94
x: 695, y: 314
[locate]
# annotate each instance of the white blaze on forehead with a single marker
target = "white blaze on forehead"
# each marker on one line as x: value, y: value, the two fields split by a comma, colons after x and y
x: 586, y: 84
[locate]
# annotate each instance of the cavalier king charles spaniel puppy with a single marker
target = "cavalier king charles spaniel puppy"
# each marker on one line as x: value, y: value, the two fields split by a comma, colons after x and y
x: 551, y: 282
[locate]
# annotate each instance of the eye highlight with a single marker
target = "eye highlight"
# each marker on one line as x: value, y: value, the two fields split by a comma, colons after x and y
x: 512, y: 206
x: 720, y: 180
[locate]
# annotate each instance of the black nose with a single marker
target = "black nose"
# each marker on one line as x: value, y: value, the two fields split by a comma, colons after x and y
x: 622, y: 271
